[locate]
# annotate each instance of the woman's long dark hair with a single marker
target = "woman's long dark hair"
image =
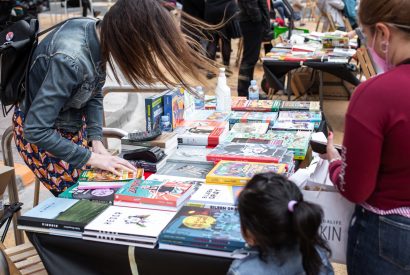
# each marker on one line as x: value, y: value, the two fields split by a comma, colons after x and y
x: 263, y: 209
x: 145, y: 41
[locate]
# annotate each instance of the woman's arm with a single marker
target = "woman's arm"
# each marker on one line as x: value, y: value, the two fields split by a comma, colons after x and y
x: 62, y: 77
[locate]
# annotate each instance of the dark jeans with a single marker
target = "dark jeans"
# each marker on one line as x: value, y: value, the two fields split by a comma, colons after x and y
x: 226, y: 47
x: 378, y: 244
x: 252, y: 38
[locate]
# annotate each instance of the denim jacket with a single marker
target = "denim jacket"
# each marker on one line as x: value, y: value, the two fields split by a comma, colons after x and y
x: 288, y: 263
x: 65, y: 81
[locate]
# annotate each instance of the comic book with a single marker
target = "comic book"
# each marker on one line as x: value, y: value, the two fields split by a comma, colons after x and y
x: 100, y: 195
x: 313, y: 106
x: 300, y: 116
x: 247, y: 152
x: 295, y: 141
x: 215, y: 195
x: 203, y: 226
x: 247, y: 117
x: 97, y: 179
x: 174, y: 106
x: 153, y: 193
x: 238, y: 173
x: 251, y: 128
x: 293, y: 126
x: 256, y: 105
x: 205, y: 133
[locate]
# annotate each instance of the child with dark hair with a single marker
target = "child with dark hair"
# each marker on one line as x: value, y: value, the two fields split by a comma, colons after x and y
x: 281, y: 230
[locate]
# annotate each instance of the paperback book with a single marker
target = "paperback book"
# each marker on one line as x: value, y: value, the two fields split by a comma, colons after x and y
x: 247, y: 117
x: 205, y: 133
x: 253, y: 127
x: 174, y: 106
x: 186, y: 169
x: 97, y: 179
x: 256, y: 105
x: 154, y: 110
x: 131, y: 226
x: 313, y: 106
x: 100, y: 195
x: 300, y: 116
x: 204, y: 225
x: 295, y: 141
x: 190, y: 154
x: 214, y: 195
x: 62, y: 214
x: 293, y: 126
x: 247, y: 152
x: 153, y: 193
x: 267, y: 138
x: 239, y: 173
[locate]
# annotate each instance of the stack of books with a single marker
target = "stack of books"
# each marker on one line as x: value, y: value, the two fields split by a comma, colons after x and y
x: 203, y: 133
x: 251, y: 127
x: 256, y: 105
x: 167, y: 195
x: 216, y: 196
x: 128, y: 226
x: 60, y: 216
x: 105, y: 195
x: 252, y: 117
x: 203, y: 230
x: 238, y: 173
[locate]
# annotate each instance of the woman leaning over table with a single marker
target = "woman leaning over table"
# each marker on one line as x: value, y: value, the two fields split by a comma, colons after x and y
x: 374, y: 169
x: 62, y: 113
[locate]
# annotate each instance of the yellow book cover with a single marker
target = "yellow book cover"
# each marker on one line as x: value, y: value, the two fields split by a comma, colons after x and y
x: 239, y: 173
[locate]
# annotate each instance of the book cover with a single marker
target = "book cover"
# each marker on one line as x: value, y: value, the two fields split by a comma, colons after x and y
x: 190, y: 154
x: 126, y: 221
x: 174, y: 106
x: 205, y: 225
x: 208, y: 115
x: 256, y: 105
x: 212, y: 194
x: 313, y: 106
x: 200, y: 251
x: 293, y: 126
x: 296, y: 141
x: 246, y: 117
x: 247, y: 152
x: 100, y: 195
x: 206, y: 133
x: 267, y: 138
x: 61, y: 213
x: 167, y: 193
x: 165, y: 140
x: 254, y: 128
x: 239, y: 173
x: 300, y: 116
x: 154, y: 110
x: 97, y: 175
x: 186, y: 169
x: 195, y: 181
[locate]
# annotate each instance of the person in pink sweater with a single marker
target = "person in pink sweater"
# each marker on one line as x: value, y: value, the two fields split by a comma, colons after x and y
x: 374, y: 168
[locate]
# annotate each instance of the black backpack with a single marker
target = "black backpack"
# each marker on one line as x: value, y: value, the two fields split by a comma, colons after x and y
x: 17, y: 43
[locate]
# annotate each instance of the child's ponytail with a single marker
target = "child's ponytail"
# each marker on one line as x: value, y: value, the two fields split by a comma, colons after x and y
x: 307, y: 218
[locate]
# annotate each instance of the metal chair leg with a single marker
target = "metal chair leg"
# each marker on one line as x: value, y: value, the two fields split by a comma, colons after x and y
x: 12, y: 188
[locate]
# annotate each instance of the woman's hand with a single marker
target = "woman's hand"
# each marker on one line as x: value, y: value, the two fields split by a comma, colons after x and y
x: 331, y: 152
x: 99, y: 148
x: 110, y: 163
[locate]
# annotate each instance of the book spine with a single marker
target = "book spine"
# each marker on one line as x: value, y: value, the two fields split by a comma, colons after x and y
x: 50, y: 224
x: 213, y: 246
x: 193, y: 140
x: 139, y: 200
x: 217, y: 158
x: 232, y: 181
x: 214, y: 137
x: 148, y: 112
x: 190, y: 239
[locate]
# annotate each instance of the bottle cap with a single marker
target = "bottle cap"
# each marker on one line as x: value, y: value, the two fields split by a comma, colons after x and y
x: 253, y: 82
x: 222, y: 70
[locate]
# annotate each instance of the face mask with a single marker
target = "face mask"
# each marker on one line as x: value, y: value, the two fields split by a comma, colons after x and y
x: 383, y: 64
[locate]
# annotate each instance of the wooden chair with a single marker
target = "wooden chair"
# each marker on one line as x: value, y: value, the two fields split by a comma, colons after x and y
x: 348, y: 26
x: 311, y: 5
x: 327, y: 16
x: 23, y: 259
x: 366, y: 63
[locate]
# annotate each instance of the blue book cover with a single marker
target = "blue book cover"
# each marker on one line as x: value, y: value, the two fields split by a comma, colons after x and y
x: 205, y: 225
x: 212, y: 246
x: 174, y: 106
x: 50, y: 208
x: 153, y: 111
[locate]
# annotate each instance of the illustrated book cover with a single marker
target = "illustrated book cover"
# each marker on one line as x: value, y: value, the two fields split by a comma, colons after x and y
x: 239, y: 173
x: 174, y: 106
x: 190, y: 154
x: 247, y: 152
x: 186, y: 169
x: 293, y: 126
x: 215, y: 195
x: 252, y: 127
x: 154, y: 109
x: 300, y: 116
x: 100, y: 195
x: 205, y: 133
x: 246, y: 117
x: 313, y: 106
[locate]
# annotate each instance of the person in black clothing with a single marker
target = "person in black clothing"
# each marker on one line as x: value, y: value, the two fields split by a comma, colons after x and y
x: 254, y: 21
x: 196, y: 9
x: 217, y: 11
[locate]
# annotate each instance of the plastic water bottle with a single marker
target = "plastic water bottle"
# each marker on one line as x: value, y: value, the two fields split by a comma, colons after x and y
x: 253, y: 91
x: 223, y: 93
x: 165, y: 124
x: 200, y: 102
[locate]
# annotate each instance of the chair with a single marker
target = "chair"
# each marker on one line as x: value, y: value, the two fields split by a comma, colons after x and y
x: 348, y: 26
x: 311, y: 5
x: 366, y: 63
x: 329, y: 18
x: 23, y: 259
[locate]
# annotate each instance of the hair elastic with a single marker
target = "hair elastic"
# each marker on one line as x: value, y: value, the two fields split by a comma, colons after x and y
x: 291, y: 205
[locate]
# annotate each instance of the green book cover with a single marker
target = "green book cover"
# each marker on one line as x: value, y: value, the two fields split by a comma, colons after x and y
x: 83, y: 212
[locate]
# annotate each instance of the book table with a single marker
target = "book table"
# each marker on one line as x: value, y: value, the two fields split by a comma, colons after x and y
x: 64, y: 255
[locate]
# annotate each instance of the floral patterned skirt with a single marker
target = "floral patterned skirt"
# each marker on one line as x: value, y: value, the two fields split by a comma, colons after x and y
x: 56, y: 174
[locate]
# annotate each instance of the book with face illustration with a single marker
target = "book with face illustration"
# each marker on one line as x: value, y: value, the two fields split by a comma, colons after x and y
x: 247, y: 152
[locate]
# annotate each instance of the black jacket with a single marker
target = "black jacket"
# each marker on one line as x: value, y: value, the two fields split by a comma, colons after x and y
x: 218, y: 10
x: 254, y: 10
